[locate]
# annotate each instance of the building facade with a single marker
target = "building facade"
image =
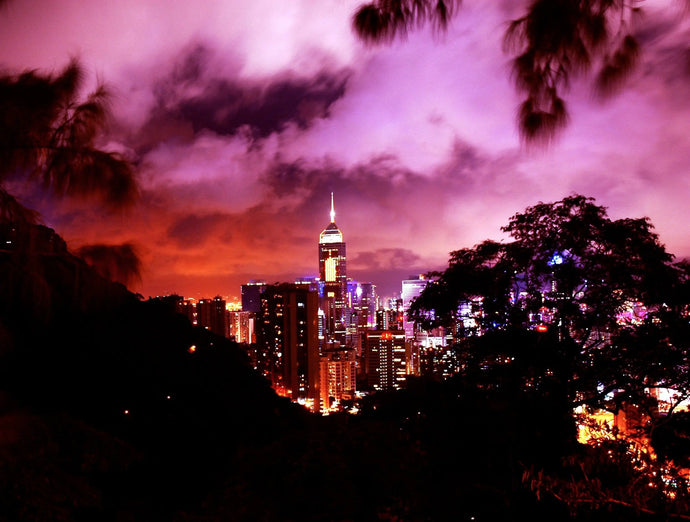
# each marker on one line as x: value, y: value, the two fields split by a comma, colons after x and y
x: 385, y: 359
x: 338, y: 378
x: 288, y: 352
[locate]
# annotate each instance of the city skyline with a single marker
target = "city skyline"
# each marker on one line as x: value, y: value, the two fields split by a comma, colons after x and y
x: 239, y: 140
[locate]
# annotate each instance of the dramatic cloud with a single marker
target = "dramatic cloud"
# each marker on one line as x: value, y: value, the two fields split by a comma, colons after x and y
x: 193, y: 93
x: 242, y: 118
x: 386, y: 259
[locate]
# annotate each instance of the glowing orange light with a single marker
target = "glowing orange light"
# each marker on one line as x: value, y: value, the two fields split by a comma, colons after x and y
x: 281, y: 391
x: 192, y: 348
x: 386, y: 336
x: 542, y: 328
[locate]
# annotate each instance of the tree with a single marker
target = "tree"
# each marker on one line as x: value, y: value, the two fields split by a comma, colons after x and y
x: 552, y: 43
x: 49, y: 135
x: 581, y: 311
x: 578, y: 304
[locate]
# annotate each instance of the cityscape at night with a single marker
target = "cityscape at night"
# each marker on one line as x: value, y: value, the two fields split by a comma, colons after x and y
x: 344, y: 260
x: 314, y: 339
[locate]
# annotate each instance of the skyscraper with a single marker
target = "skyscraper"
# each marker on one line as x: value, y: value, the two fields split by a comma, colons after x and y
x: 333, y: 275
x: 289, y: 351
x: 385, y: 359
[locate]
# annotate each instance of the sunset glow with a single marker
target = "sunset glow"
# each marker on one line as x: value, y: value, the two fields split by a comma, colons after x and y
x: 243, y: 117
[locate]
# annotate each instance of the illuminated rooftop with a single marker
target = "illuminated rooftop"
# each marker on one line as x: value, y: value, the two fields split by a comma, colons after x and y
x: 331, y: 233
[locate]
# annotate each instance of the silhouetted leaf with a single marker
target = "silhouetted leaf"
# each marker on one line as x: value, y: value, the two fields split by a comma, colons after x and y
x: 385, y: 20
x: 115, y: 262
x: 617, y: 68
x: 554, y: 41
x: 48, y: 132
x: 13, y: 213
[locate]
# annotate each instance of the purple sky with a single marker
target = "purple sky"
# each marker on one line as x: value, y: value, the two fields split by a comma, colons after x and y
x: 243, y: 116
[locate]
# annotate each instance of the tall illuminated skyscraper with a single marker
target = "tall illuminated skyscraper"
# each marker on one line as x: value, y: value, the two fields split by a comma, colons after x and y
x: 333, y: 275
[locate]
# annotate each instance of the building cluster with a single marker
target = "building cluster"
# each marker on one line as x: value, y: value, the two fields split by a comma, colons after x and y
x: 326, y: 340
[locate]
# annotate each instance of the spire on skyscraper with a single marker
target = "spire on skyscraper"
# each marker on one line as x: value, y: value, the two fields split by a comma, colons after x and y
x: 332, y: 233
x: 333, y: 278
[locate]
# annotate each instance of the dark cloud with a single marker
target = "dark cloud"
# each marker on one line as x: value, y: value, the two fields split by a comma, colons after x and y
x: 164, y: 128
x: 194, y: 95
x: 190, y: 66
x: 464, y: 164
x: 226, y: 105
x: 194, y: 230
x: 379, y: 177
x: 386, y: 259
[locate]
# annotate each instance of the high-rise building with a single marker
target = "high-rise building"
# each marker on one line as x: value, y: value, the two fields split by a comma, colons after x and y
x: 411, y: 289
x: 289, y: 343
x: 338, y: 377
x: 385, y: 359
x: 210, y: 314
x: 333, y: 276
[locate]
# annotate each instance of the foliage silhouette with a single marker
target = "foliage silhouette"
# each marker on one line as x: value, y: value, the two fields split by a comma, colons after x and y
x: 579, y: 310
x: 554, y: 42
x: 50, y: 135
x: 579, y: 271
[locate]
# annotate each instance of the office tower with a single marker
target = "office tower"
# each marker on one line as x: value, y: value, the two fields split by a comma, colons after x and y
x: 385, y: 359
x: 338, y: 377
x: 289, y: 343
x: 251, y: 296
x: 210, y: 314
x: 411, y: 289
x: 333, y: 276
